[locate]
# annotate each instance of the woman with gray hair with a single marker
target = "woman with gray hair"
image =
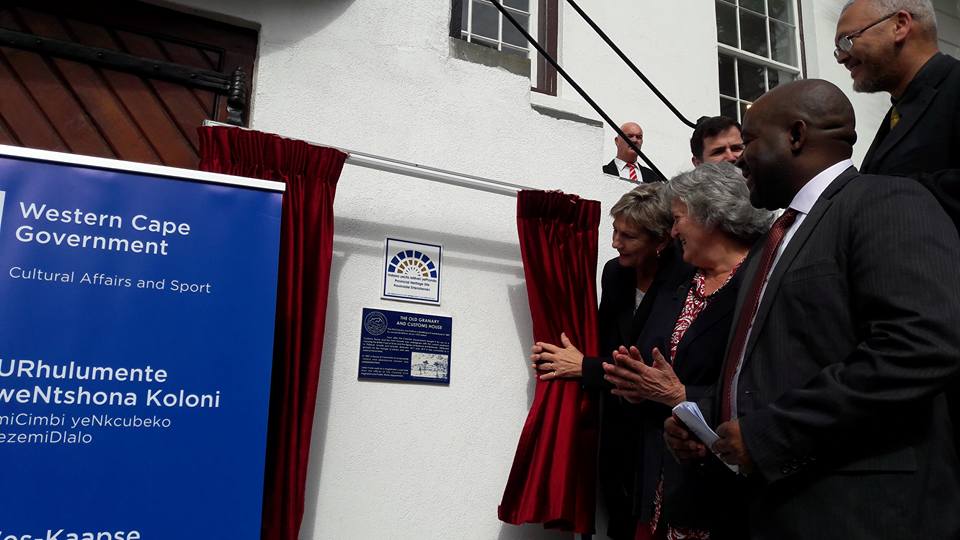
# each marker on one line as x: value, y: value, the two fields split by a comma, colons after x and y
x: 684, y: 340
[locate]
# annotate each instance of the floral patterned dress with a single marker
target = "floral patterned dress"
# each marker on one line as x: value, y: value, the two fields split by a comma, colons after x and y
x: 697, y: 300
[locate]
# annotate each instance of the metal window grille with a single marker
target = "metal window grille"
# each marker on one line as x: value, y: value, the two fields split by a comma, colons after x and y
x: 482, y: 24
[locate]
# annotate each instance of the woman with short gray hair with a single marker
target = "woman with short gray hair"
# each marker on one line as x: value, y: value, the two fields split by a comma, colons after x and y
x: 684, y: 342
x: 716, y: 196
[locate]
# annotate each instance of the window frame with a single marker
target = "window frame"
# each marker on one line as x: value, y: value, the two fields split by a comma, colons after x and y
x: 546, y: 15
x: 738, y: 54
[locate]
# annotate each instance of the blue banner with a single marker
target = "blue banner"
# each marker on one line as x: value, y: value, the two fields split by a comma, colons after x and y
x: 136, y: 337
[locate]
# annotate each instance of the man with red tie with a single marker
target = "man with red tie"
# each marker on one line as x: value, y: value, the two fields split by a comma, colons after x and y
x: 625, y: 164
x: 845, y: 336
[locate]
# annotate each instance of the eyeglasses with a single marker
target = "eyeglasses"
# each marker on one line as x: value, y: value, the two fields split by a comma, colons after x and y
x: 845, y: 42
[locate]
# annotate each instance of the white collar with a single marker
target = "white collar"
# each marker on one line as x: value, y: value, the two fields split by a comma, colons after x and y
x: 621, y: 164
x: 805, y: 198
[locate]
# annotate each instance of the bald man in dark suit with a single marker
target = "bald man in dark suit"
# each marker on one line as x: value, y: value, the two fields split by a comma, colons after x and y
x: 846, y: 334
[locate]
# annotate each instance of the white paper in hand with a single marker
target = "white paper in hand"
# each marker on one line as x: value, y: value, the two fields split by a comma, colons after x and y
x: 690, y: 415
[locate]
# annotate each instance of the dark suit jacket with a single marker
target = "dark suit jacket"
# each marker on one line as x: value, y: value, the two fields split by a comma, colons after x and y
x: 619, y: 325
x: 840, y: 395
x: 690, y: 497
x: 646, y: 174
x: 925, y: 145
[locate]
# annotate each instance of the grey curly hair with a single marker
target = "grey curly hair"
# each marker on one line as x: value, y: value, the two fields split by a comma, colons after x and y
x: 643, y: 207
x: 717, y: 197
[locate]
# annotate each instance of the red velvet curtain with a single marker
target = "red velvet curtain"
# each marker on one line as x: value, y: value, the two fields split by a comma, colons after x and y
x: 306, y: 248
x: 553, y: 475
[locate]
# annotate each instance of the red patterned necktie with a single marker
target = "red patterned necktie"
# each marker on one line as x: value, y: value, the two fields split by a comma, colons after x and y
x: 749, y: 310
x: 633, y: 171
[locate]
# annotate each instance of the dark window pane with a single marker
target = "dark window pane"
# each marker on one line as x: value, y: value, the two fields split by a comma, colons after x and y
x: 783, y: 43
x: 519, y: 4
x: 753, y: 33
x: 728, y: 78
x: 743, y: 109
x: 464, y: 16
x: 513, y: 50
x: 781, y: 9
x: 513, y: 36
x: 485, y: 20
x: 728, y: 108
x: 753, y: 5
x: 752, y: 84
x: 727, y: 24
x: 485, y: 42
x: 776, y: 78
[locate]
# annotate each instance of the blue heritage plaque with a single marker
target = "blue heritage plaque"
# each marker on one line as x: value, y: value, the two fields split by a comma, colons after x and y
x: 403, y: 346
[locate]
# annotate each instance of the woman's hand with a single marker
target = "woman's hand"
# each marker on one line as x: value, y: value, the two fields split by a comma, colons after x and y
x: 635, y: 381
x: 554, y: 362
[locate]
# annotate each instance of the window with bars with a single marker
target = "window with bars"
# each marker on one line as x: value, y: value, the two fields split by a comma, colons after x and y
x: 477, y: 21
x: 759, y: 49
x: 482, y: 24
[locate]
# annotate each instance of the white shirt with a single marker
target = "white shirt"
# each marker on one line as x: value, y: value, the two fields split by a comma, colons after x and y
x: 802, y: 202
x: 625, y: 171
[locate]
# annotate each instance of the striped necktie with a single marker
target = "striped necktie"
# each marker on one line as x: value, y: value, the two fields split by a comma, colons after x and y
x: 633, y: 171
x: 749, y: 309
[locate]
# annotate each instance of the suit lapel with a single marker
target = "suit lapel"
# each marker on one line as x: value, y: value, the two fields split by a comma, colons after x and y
x: 625, y: 319
x: 796, y: 244
x: 719, y: 307
x: 910, y: 111
x: 868, y: 160
x: 916, y: 100
x: 663, y: 326
x: 749, y: 270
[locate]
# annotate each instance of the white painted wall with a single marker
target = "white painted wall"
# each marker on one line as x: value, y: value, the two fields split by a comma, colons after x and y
x: 413, y: 461
x: 948, y: 25
x: 417, y: 461
x: 674, y: 45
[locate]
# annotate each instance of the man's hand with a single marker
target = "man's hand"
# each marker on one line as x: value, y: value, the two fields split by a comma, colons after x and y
x: 682, y: 444
x: 730, y: 446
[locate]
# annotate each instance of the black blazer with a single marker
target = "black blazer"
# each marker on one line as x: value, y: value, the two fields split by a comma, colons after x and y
x: 690, y: 496
x: 840, y: 395
x: 619, y: 325
x: 646, y: 174
x: 925, y: 145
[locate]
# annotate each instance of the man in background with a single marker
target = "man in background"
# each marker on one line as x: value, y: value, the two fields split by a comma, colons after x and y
x: 716, y: 139
x: 891, y: 46
x: 625, y: 164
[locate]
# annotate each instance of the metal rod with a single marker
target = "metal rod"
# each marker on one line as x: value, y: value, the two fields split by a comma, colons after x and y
x: 406, y: 168
x: 629, y: 63
x: 566, y: 77
x: 119, y: 61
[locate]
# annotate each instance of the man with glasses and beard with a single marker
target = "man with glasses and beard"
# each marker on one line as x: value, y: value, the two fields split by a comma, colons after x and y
x: 891, y: 46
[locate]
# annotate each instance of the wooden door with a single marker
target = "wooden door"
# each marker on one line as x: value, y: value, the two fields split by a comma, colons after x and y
x: 53, y: 103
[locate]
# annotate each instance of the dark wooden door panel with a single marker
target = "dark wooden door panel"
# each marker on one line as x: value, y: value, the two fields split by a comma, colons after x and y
x: 57, y: 104
x: 24, y: 116
x: 60, y: 107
